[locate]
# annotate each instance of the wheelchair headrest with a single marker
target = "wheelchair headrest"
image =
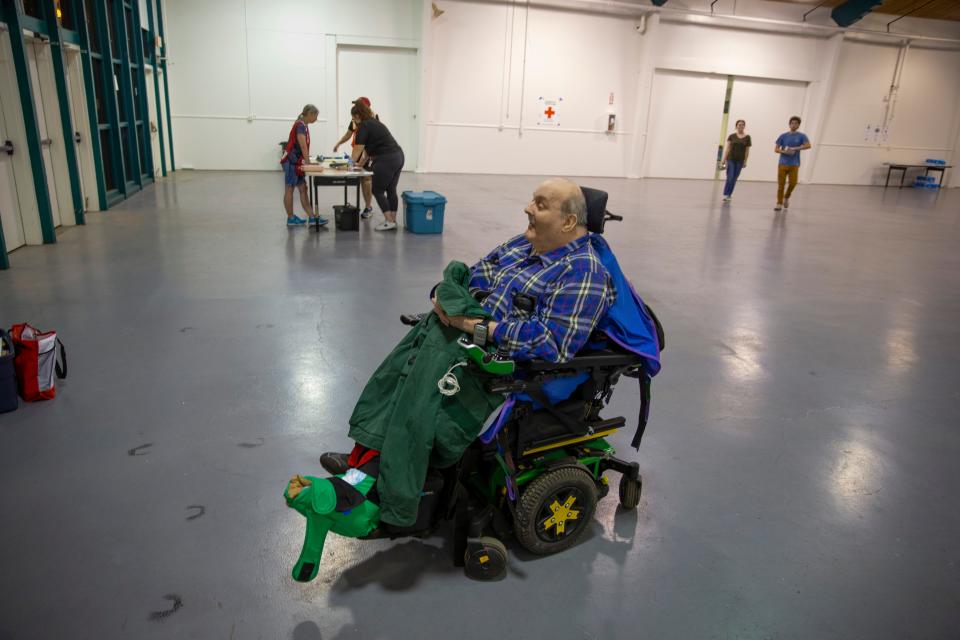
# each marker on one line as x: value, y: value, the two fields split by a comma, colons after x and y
x: 596, y: 208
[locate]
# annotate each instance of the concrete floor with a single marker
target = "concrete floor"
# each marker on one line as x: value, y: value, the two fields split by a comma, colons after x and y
x: 800, y: 468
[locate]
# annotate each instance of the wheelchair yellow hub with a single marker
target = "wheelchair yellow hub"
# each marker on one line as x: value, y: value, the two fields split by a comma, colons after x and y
x: 561, y: 513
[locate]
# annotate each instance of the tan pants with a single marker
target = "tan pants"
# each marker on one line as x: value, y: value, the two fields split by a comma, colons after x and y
x: 783, y: 173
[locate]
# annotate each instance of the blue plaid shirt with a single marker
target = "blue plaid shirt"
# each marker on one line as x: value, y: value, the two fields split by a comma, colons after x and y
x: 571, y: 287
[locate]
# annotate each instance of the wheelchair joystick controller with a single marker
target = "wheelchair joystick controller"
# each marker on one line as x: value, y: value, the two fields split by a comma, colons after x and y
x: 491, y: 362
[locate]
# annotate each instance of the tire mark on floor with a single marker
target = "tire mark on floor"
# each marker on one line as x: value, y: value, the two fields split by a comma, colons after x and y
x: 140, y: 450
x: 202, y: 510
x: 158, y: 616
x: 252, y: 445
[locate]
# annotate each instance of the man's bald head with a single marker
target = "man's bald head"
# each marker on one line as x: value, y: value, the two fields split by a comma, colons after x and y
x: 557, y: 215
x: 570, y: 197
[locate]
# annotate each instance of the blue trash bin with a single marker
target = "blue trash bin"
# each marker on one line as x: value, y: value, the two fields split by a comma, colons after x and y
x: 423, y: 211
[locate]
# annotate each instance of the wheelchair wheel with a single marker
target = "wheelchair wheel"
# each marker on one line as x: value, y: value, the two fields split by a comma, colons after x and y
x: 630, y: 492
x: 486, y: 561
x: 555, y: 509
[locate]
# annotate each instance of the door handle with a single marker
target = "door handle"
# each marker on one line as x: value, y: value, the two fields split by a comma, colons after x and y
x: 46, y: 142
x: 76, y: 137
x: 8, y: 147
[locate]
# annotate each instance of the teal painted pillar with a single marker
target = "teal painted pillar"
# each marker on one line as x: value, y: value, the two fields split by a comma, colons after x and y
x: 140, y: 84
x: 166, y: 83
x: 4, y: 261
x: 87, y: 64
x: 156, y: 84
x: 66, y: 122
x: 13, y: 12
x: 125, y: 104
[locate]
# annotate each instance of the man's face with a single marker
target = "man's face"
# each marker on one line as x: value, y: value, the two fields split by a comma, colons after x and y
x: 546, y: 227
x: 794, y: 125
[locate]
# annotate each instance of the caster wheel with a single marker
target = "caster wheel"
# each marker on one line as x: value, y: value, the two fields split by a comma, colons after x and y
x: 630, y: 492
x: 486, y: 561
x: 555, y: 510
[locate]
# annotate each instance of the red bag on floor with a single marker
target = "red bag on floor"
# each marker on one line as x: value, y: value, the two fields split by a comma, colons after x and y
x: 37, y: 363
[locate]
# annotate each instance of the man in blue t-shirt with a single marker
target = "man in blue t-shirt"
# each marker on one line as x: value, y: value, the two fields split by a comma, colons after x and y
x: 789, y: 145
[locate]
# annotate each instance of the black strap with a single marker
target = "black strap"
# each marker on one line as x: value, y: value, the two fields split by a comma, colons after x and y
x: 574, y: 426
x: 7, y: 338
x: 644, y: 379
x: 511, y: 470
x: 61, y: 364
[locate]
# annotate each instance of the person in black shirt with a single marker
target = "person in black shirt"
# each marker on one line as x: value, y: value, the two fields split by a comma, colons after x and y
x: 735, y: 157
x: 366, y: 184
x: 386, y: 156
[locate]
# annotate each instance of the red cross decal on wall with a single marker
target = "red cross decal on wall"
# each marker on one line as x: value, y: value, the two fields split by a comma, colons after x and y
x: 549, y: 112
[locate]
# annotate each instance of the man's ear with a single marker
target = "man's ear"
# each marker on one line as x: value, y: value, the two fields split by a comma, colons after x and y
x: 569, y: 223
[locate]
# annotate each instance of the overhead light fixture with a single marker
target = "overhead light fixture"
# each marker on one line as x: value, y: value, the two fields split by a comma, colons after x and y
x: 437, y: 11
x: 852, y: 10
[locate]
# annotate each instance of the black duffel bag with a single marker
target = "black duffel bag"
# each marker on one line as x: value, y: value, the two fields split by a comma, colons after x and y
x: 346, y: 217
x: 8, y: 374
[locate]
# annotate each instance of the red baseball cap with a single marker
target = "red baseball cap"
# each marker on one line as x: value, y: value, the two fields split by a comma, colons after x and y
x: 362, y: 99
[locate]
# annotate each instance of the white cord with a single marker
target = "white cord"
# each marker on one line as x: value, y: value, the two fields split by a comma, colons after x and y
x: 448, y: 384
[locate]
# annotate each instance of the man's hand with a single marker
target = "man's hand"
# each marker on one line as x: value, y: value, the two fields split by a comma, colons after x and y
x: 466, y: 324
x: 437, y: 309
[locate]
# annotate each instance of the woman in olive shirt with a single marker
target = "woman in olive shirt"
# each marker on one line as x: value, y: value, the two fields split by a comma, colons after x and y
x: 374, y: 139
x: 735, y: 157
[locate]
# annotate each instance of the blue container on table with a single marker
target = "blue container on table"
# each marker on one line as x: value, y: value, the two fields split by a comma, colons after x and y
x: 423, y: 211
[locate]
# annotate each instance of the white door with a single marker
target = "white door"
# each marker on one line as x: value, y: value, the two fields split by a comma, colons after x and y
x: 154, y: 129
x: 81, y: 125
x: 388, y: 76
x: 12, y: 227
x: 685, y: 118
x: 11, y: 129
x: 767, y: 106
x: 37, y: 56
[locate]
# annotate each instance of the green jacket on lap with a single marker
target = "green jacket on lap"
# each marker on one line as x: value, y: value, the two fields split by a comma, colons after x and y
x: 402, y: 413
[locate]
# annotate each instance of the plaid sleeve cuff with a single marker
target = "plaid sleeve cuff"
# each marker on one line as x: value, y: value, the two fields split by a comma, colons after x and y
x: 500, y: 333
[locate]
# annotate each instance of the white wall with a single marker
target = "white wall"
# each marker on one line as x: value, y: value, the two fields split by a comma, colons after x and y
x: 478, y: 75
x: 241, y: 70
x: 925, y: 112
x: 753, y: 57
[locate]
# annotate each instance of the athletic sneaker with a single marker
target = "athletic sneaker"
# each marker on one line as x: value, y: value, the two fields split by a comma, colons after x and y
x: 778, y: 207
x: 786, y: 204
x: 385, y: 226
x: 366, y: 213
x: 320, y: 221
x: 294, y: 221
x: 726, y: 198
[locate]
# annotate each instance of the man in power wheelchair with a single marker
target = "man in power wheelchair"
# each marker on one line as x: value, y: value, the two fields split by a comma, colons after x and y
x: 488, y: 411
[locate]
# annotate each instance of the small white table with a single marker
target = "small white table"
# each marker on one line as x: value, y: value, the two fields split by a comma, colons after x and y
x: 319, y: 176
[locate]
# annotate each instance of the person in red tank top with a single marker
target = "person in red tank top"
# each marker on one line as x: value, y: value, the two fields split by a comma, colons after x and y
x: 295, y: 154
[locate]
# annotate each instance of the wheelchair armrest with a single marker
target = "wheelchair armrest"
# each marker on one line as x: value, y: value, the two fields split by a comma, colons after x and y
x: 592, y: 360
x: 411, y: 319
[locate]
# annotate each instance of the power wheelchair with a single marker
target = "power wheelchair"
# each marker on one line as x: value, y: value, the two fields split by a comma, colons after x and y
x: 538, y: 472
